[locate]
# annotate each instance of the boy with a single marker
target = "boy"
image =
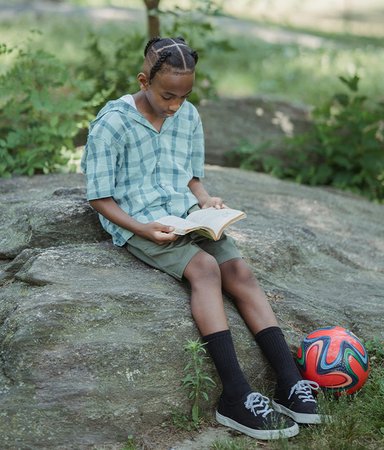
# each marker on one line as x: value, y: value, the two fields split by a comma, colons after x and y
x: 145, y: 159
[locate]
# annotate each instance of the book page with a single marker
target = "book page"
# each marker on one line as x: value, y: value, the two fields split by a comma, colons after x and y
x: 216, y: 219
x: 206, y: 219
x: 182, y: 226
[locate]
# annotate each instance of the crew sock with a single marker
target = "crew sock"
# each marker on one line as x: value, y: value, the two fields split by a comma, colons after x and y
x: 221, y: 348
x: 275, y: 348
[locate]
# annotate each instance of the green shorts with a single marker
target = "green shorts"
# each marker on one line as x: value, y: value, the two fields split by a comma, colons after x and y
x: 174, y: 257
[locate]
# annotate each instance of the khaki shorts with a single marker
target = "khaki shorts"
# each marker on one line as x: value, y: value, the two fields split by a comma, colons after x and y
x: 174, y: 257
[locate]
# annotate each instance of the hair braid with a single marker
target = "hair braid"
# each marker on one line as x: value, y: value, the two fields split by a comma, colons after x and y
x: 150, y: 43
x: 174, y: 53
x: 195, y: 55
x: 157, y: 66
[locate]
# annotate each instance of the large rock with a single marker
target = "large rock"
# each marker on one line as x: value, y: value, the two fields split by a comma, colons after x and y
x: 269, y: 122
x: 92, y: 339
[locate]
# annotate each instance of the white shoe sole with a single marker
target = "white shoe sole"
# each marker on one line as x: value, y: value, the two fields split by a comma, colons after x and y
x: 301, y: 417
x: 258, y: 434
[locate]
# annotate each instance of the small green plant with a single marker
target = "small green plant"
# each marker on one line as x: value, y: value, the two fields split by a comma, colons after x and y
x: 196, y: 380
x: 41, y: 112
x: 228, y: 444
x: 130, y: 444
x: 250, y: 157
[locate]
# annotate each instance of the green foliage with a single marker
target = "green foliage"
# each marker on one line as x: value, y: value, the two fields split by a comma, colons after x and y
x: 228, y: 444
x: 344, y: 148
x: 196, y: 380
x: 250, y: 157
x: 375, y: 349
x: 41, y: 112
x: 111, y: 67
x: 131, y: 444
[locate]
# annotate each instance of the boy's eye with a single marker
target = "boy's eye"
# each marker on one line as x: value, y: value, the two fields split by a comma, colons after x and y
x: 166, y: 97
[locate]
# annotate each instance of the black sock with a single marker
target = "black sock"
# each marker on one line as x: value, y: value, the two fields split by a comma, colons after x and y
x: 275, y: 348
x: 222, y: 351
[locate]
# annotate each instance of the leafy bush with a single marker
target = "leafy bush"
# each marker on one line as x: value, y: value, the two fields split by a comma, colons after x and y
x: 344, y: 148
x: 111, y: 67
x: 40, y: 112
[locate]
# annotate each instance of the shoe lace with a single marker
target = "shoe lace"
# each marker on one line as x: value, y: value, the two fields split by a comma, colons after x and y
x: 303, y: 389
x: 258, y: 404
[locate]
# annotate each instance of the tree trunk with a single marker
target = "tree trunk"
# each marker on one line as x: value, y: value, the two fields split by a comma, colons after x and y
x: 153, y: 20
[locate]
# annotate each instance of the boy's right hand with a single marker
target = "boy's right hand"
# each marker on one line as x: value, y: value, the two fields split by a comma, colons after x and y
x: 158, y: 233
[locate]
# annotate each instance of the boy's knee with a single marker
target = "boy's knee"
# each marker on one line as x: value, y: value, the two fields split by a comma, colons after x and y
x: 237, y: 269
x: 203, y: 266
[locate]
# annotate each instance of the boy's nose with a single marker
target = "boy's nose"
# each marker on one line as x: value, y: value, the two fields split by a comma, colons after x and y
x: 174, y: 107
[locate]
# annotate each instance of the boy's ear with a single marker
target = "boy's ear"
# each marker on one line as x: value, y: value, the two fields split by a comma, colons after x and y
x: 143, y: 81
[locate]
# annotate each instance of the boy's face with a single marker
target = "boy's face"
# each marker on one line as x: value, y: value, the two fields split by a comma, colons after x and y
x: 168, y: 90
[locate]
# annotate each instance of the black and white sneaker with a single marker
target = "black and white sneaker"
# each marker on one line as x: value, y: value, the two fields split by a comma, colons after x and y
x: 254, y: 417
x: 299, y: 403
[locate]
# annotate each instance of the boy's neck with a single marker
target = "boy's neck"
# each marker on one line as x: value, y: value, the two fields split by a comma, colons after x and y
x: 146, y: 110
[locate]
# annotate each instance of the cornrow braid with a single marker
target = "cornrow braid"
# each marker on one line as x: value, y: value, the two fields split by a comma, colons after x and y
x: 172, y: 52
x: 195, y: 55
x: 150, y: 43
x: 157, y: 66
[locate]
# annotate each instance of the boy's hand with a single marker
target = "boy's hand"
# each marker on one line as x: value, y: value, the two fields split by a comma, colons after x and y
x: 158, y: 233
x: 215, y: 202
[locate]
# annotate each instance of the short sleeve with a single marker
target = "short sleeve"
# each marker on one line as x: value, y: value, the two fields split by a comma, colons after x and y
x: 99, y: 166
x: 198, y: 150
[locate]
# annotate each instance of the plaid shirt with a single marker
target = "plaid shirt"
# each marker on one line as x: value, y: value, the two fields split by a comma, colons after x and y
x: 145, y: 171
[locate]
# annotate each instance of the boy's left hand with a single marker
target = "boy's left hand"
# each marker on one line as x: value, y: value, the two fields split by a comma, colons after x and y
x: 215, y: 202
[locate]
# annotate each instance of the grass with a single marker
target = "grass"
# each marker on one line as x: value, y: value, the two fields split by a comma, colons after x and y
x: 295, y: 71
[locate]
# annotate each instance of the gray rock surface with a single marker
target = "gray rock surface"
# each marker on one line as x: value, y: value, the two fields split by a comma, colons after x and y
x: 269, y: 122
x: 91, y: 340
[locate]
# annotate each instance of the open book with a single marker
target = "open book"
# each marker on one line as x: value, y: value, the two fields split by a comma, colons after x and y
x: 209, y: 222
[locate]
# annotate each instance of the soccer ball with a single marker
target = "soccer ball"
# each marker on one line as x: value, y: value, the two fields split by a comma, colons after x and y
x: 335, y: 358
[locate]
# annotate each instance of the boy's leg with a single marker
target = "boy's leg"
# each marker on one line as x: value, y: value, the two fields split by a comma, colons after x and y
x: 292, y: 393
x: 239, y: 407
x: 207, y: 309
x: 248, y: 413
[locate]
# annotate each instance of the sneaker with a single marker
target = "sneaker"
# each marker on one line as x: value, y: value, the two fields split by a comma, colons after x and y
x: 300, y: 403
x: 255, y: 418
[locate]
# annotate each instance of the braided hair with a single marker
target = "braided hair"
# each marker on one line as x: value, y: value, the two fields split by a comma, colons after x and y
x: 172, y: 52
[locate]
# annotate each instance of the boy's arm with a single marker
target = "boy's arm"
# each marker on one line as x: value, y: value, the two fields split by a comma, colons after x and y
x: 205, y: 200
x: 154, y: 231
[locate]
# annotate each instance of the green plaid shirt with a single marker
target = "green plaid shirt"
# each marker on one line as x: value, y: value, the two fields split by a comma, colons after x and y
x: 145, y: 171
